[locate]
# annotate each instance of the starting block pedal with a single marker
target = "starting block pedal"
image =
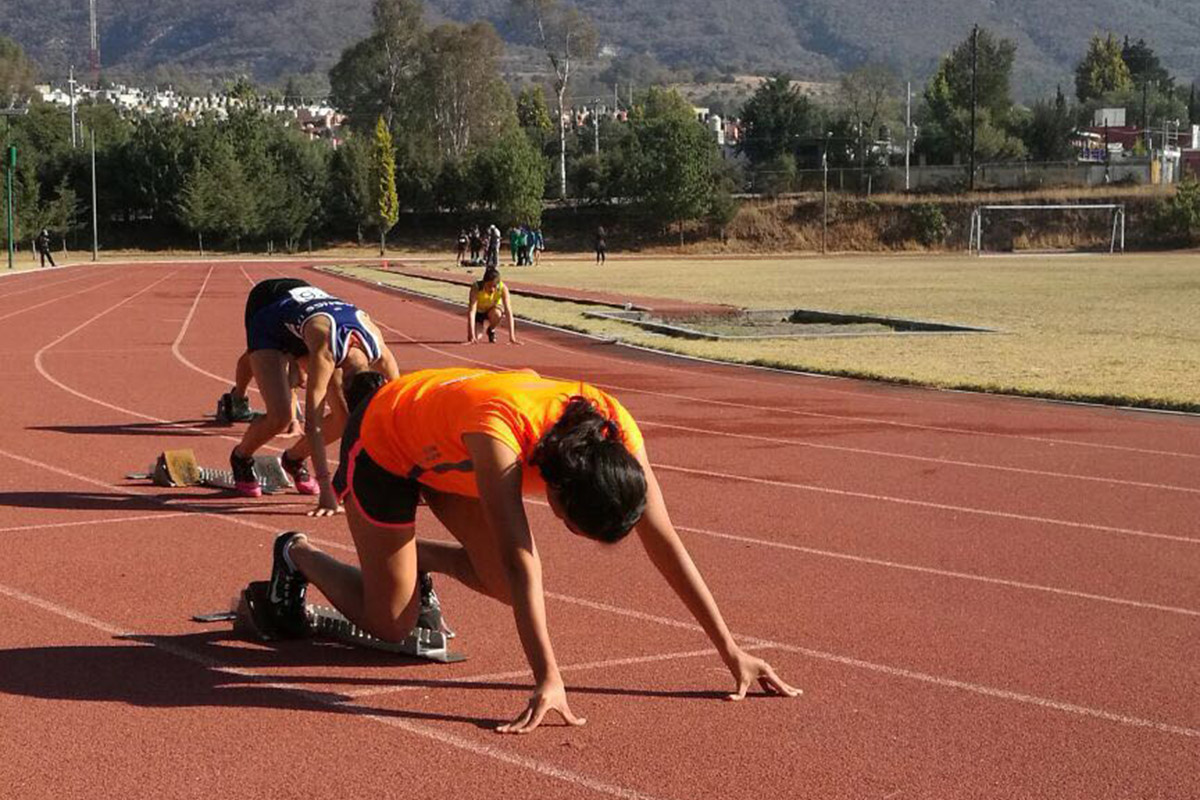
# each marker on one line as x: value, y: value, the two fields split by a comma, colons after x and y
x: 250, y: 618
x: 179, y: 468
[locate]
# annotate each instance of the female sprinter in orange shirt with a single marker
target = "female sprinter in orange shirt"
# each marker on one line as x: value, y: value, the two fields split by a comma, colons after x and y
x: 473, y: 443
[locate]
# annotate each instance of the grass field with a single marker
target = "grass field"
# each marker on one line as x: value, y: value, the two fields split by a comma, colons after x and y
x: 1119, y: 329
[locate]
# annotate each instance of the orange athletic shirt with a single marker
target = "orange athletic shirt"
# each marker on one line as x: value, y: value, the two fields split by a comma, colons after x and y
x: 415, y: 423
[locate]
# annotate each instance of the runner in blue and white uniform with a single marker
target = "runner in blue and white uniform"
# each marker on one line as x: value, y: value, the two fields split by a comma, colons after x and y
x: 289, y: 320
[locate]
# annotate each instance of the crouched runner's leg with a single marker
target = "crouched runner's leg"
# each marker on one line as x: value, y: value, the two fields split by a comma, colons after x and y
x: 379, y: 595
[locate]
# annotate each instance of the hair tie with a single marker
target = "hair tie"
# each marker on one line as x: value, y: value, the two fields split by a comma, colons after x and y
x: 611, y: 430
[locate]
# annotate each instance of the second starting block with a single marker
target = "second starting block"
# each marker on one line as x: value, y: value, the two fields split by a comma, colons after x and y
x: 180, y: 468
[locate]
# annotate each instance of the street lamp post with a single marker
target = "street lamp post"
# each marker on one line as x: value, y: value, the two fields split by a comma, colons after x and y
x: 10, y: 166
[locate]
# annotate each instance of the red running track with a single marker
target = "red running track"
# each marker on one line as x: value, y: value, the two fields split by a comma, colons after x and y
x: 980, y: 596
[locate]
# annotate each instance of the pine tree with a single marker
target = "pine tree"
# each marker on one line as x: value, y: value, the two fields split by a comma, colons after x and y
x: 383, y: 163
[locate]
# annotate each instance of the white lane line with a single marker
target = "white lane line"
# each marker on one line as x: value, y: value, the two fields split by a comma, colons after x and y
x: 907, y: 674
x: 519, y: 674
x: 187, y: 321
x: 967, y: 576
x: 896, y: 424
x: 883, y: 498
x: 749, y: 640
x: 93, y: 522
x: 472, y: 746
x: 39, y: 287
x: 820, y: 415
x: 923, y: 459
x: 57, y: 299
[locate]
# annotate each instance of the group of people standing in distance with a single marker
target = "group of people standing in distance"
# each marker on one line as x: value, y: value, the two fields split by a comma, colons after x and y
x: 470, y: 443
x: 476, y: 249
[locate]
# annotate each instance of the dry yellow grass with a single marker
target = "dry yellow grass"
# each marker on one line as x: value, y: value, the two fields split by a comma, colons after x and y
x: 1108, y: 328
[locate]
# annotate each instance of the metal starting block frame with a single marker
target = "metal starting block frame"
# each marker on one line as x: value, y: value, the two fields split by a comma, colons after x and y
x: 179, y: 468
x: 250, y: 619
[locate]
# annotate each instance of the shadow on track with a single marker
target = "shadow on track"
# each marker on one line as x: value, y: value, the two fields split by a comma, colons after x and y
x: 217, y: 501
x: 140, y: 428
x: 138, y: 674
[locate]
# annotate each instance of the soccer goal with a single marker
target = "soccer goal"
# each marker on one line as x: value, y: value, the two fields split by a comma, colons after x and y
x: 1032, y: 228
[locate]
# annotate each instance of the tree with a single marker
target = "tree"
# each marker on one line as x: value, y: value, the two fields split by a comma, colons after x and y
x: 349, y: 194
x: 1144, y: 65
x: 465, y: 100
x: 1048, y: 132
x: 510, y: 175
x: 946, y: 129
x: 776, y: 121
x: 217, y: 196
x: 373, y: 77
x: 533, y: 114
x: 564, y: 35
x: 16, y: 74
x: 1102, y: 70
x: 868, y: 100
x: 383, y: 168
x: 670, y: 160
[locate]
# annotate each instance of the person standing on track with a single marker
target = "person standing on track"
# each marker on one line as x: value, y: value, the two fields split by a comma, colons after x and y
x: 42, y: 244
x: 286, y: 318
x: 601, y: 245
x: 489, y: 304
x: 474, y: 443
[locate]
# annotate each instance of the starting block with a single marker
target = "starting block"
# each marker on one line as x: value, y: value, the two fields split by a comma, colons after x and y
x: 179, y: 468
x: 250, y: 619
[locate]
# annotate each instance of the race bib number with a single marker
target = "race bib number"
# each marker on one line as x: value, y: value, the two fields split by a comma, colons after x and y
x: 304, y: 294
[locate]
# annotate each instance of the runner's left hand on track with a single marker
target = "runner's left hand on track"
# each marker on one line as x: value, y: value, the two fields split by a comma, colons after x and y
x: 552, y: 696
x: 747, y: 669
x: 327, y: 506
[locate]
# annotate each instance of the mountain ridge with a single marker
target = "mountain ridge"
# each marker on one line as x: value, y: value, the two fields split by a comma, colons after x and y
x: 269, y: 40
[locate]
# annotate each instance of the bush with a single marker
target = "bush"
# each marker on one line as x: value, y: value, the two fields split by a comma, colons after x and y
x: 1178, y: 218
x: 929, y: 224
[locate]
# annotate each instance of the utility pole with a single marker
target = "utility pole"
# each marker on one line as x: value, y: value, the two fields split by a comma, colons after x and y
x: 596, y: 123
x: 10, y: 166
x: 71, y: 84
x: 974, y: 96
x: 94, y: 40
x: 825, y: 194
x: 907, y: 135
x: 95, y: 216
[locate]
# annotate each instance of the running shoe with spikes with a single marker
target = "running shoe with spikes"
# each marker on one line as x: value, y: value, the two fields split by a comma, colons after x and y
x: 298, y: 470
x: 287, y: 591
x: 491, y: 332
x: 430, y: 617
x: 245, y: 480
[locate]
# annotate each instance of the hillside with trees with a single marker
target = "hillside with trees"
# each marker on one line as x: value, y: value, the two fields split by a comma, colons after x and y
x: 269, y: 40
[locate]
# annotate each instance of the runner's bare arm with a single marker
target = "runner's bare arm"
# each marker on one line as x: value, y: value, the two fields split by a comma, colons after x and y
x: 472, y: 307
x: 498, y: 475
x: 670, y: 557
x: 508, y: 313
x: 321, y: 370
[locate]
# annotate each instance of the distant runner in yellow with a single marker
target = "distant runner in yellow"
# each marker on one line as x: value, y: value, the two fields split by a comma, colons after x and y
x: 489, y: 305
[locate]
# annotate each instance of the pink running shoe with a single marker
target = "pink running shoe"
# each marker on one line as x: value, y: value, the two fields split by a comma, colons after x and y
x: 305, y: 483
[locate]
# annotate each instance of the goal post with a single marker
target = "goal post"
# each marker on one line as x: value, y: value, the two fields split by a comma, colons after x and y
x: 981, y: 216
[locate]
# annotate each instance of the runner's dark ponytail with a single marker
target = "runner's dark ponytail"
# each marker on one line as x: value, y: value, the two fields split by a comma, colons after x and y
x: 601, y: 486
x: 362, y: 387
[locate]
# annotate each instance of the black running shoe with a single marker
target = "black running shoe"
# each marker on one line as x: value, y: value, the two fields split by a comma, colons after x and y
x: 287, y: 592
x: 245, y: 480
x: 239, y: 409
x: 430, y: 617
x: 492, y: 335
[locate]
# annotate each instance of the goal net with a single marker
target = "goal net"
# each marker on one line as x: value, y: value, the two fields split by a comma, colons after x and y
x: 1042, y: 228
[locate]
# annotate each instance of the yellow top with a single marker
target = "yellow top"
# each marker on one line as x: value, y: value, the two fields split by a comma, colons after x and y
x: 485, y: 300
x: 415, y: 424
